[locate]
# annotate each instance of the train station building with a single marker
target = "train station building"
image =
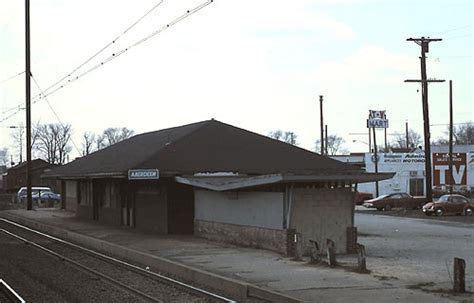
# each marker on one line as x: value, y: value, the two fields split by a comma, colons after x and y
x: 219, y: 182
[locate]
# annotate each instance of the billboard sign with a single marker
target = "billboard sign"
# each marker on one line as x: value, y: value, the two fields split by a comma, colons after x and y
x: 377, y: 119
x: 441, y: 169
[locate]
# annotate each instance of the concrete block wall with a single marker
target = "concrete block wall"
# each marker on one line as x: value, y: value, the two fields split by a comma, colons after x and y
x: 257, y: 237
x: 351, y: 240
x: 321, y: 213
x: 258, y: 209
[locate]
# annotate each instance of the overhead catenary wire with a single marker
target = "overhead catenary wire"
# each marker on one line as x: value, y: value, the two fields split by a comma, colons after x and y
x: 12, y: 77
x: 453, y: 29
x: 55, y: 113
x: 65, y: 81
x: 122, y: 51
x: 101, y: 50
x: 104, y: 47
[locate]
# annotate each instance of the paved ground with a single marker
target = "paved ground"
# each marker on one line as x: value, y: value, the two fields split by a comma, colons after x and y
x: 417, y: 253
x: 396, y: 248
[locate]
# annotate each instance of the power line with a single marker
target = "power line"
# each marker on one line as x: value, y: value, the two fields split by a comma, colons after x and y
x: 122, y: 51
x: 453, y: 29
x: 90, y: 58
x: 104, y: 48
x: 458, y: 37
x: 39, y: 97
x: 56, y: 114
x: 12, y: 77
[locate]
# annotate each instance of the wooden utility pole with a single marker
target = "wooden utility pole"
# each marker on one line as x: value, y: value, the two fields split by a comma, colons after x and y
x: 424, y: 43
x: 29, y: 200
x: 322, y: 123
x: 406, y: 135
x: 326, y: 139
x: 450, y: 179
x: 370, y: 140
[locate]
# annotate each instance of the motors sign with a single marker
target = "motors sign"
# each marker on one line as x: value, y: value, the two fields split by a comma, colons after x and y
x: 441, y: 169
x: 377, y: 119
x: 143, y: 174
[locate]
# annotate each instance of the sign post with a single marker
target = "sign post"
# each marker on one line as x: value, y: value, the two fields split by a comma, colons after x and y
x: 377, y: 119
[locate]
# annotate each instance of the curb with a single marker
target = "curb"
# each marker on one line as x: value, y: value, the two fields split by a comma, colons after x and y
x: 238, y: 290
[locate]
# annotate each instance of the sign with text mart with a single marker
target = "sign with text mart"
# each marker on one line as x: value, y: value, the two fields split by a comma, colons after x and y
x: 143, y: 174
x: 377, y: 123
x: 441, y: 168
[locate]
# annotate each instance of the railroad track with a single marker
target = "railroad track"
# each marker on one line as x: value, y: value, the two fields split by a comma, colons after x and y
x: 8, y: 294
x: 142, y: 283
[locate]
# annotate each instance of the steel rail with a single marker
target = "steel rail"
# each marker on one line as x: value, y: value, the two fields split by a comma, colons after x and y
x: 127, y: 265
x: 85, y: 268
x: 10, y: 292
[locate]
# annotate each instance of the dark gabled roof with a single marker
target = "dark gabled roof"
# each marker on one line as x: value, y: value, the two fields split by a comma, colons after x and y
x: 208, y: 146
x: 36, y: 163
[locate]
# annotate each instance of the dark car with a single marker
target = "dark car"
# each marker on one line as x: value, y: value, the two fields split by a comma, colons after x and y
x: 47, y: 197
x: 360, y: 197
x: 440, y: 190
x: 395, y: 200
x: 454, y: 204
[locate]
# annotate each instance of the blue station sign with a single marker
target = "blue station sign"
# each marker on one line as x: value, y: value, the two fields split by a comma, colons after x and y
x: 143, y: 174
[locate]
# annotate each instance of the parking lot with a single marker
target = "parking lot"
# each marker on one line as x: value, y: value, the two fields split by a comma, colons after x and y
x: 410, y: 249
x: 415, y: 213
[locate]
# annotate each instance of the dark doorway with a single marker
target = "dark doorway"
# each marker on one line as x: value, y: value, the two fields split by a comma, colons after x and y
x: 97, y: 198
x: 180, y: 209
x: 127, y: 205
x: 416, y: 187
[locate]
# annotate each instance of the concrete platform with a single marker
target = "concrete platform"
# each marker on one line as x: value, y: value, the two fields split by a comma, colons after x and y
x: 238, y: 272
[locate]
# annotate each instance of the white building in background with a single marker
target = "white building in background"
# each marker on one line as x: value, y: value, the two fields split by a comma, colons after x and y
x: 409, y: 169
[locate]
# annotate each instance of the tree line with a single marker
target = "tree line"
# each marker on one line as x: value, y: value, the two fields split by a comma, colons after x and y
x: 53, y: 141
x: 463, y: 134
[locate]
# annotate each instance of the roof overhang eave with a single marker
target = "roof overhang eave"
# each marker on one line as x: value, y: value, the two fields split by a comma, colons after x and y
x: 86, y: 176
x: 227, y: 183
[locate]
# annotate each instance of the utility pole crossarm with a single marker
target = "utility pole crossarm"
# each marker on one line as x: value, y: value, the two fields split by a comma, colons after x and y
x: 425, y: 81
x: 423, y: 39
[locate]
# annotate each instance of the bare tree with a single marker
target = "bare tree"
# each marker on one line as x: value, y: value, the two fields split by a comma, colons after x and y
x: 3, y: 156
x: 462, y: 135
x: 290, y: 137
x: 18, y: 136
x: 277, y: 134
x: 400, y: 140
x: 89, y: 139
x: 287, y: 136
x: 114, y: 135
x: 99, y: 142
x: 53, y: 142
x: 334, y: 145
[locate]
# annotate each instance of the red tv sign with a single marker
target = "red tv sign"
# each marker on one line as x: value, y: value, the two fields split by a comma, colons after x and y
x: 441, y: 169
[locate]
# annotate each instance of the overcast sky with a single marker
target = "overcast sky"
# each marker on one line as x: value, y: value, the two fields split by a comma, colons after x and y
x: 258, y: 65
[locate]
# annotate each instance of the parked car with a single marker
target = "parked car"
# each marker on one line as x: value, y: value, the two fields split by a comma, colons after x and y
x: 360, y: 197
x: 462, y: 190
x: 46, y: 198
x: 452, y: 203
x: 395, y: 200
x: 21, y: 194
